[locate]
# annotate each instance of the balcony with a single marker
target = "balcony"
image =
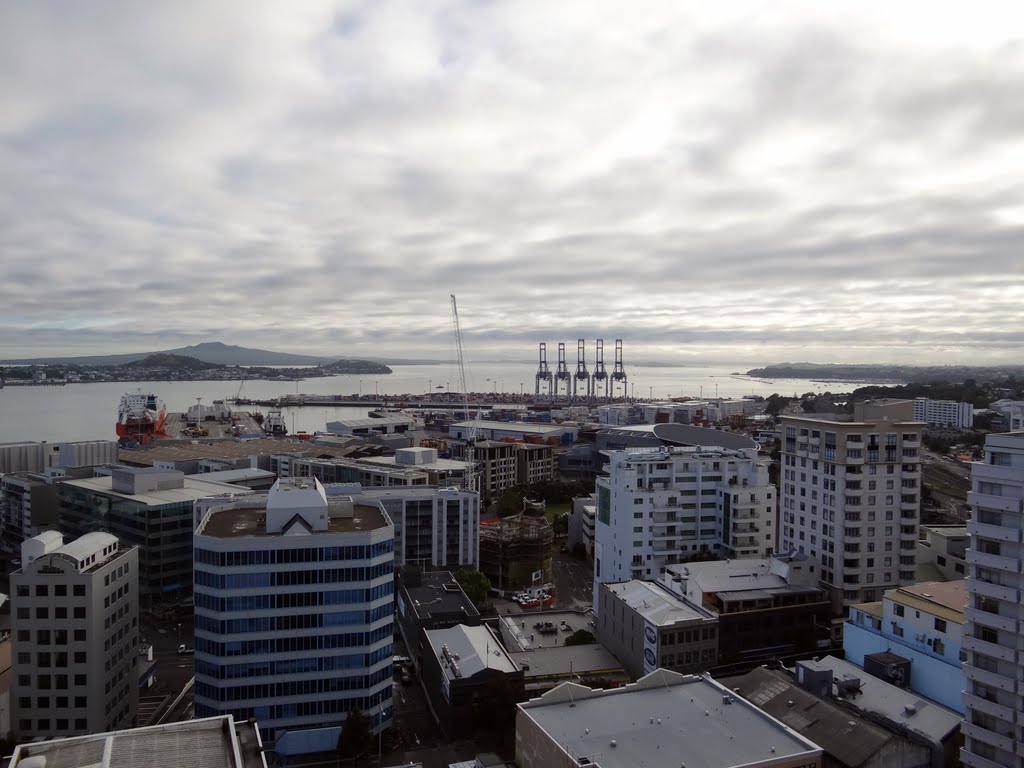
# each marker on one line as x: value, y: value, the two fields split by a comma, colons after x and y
x: 975, y: 761
x: 999, y: 563
x: 1004, y: 743
x: 996, y: 532
x: 853, y: 461
x: 1001, y: 503
x: 989, y: 649
x: 988, y: 589
x: 994, y: 620
x: 988, y: 707
x: 991, y: 679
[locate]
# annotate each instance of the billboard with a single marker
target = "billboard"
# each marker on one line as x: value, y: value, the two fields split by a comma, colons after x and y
x: 650, y: 647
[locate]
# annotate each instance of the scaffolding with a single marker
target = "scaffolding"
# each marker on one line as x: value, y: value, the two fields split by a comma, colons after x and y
x: 514, y: 549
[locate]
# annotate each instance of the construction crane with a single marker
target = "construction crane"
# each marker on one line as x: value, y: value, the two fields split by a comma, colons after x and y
x: 470, y: 452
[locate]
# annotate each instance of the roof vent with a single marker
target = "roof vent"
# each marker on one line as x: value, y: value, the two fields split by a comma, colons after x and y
x: 614, y: 743
x: 910, y: 709
x: 726, y: 698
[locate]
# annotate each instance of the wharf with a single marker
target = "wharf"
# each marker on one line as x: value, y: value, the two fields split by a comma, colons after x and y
x: 175, y: 425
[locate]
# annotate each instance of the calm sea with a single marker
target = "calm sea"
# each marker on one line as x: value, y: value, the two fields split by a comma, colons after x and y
x: 88, y: 411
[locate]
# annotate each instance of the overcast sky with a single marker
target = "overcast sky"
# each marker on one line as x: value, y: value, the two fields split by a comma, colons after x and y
x: 709, y: 181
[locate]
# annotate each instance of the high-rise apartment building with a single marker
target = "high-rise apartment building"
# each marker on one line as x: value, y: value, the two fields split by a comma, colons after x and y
x: 944, y: 413
x: 661, y: 506
x: 293, y: 613
x: 74, y: 613
x: 993, y: 637
x: 851, y: 496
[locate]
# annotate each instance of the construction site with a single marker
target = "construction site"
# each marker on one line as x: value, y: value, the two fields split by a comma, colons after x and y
x: 515, y: 552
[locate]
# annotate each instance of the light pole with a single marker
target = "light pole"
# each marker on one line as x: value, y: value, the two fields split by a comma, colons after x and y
x: 650, y: 393
x: 430, y: 386
x: 520, y: 390
x: 360, y: 387
x: 375, y: 394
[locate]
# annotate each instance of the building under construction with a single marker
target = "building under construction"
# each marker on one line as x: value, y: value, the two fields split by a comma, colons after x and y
x: 515, y: 552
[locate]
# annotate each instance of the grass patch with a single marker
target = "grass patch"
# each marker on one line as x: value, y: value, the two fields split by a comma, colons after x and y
x: 551, y: 511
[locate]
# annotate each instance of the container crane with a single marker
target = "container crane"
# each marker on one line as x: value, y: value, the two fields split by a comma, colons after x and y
x: 470, y: 453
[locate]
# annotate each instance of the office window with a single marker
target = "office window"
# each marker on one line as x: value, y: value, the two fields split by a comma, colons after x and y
x: 940, y: 625
x: 41, y: 590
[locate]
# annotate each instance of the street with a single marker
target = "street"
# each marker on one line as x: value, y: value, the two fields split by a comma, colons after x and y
x: 574, y: 581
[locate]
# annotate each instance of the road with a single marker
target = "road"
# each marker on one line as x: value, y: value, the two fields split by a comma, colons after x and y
x: 574, y: 581
x: 173, y: 672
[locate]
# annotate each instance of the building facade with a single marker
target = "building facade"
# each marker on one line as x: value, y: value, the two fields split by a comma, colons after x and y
x: 75, y: 614
x: 294, y: 611
x: 944, y: 413
x: 851, y: 497
x: 943, y: 548
x: 994, y: 693
x: 28, y: 505
x: 913, y: 638
x: 147, y: 507
x: 661, y: 506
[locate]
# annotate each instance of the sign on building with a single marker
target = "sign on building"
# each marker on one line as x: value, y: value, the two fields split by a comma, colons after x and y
x: 650, y: 647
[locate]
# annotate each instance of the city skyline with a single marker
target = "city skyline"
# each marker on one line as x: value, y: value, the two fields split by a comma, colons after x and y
x: 830, y: 183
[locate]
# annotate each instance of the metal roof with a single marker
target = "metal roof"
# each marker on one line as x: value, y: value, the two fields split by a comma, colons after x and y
x: 656, y: 604
x: 898, y: 705
x: 476, y: 649
x: 664, y: 719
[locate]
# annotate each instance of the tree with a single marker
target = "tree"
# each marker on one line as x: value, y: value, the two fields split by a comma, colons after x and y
x: 475, y: 584
x: 580, y: 637
x: 560, y: 525
x: 509, y: 503
x: 354, y: 739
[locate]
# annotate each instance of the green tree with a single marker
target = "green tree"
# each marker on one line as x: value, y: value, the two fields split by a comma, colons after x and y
x: 475, y: 584
x: 354, y: 739
x: 580, y: 637
x: 509, y: 503
x: 560, y: 525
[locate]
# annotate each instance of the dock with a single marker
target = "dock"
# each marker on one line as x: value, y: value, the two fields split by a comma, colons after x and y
x: 175, y: 426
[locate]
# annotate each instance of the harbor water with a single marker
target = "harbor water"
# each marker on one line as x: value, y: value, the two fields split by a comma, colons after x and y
x: 88, y: 411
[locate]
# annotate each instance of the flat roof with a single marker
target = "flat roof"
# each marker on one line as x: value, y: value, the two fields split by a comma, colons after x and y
x: 234, y: 475
x: 392, y: 461
x: 844, y: 735
x: 250, y: 519
x: 730, y: 575
x: 898, y: 705
x: 522, y: 628
x: 473, y: 648
x: 439, y: 593
x: 656, y: 604
x: 959, y: 531
x: 360, y: 423
x: 872, y: 609
x: 691, y: 435
x: 946, y: 599
x: 411, y: 491
x: 164, y: 450
x: 663, y: 719
x: 563, y: 660
x: 212, y: 742
x: 193, y: 489
x: 514, y: 426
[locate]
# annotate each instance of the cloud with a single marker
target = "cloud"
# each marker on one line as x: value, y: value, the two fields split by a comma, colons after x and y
x: 827, y: 182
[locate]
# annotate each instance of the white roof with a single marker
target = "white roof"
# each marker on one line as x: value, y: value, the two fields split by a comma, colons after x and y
x: 87, y: 545
x: 193, y: 489
x: 389, y: 421
x: 476, y: 649
x: 730, y: 575
x: 391, y: 461
x: 655, y: 604
x: 514, y: 426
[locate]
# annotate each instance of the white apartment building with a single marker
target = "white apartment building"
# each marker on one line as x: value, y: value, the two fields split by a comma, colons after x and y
x: 994, y: 692
x: 293, y: 613
x: 944, y: 413
x: 659, y: 506
x: 75, y: 613
x: 851, y: 495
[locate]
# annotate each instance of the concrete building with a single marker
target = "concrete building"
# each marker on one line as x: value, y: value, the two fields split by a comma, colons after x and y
x: 944, y: 413
x: 851, y: 497
x: 647, y: 627
x: 6, y: 680
x: 433, y: 526
x: 534, y: 463
x: 913, y: 638
x: 246, y: 477
x: 1012, y: 413
x: 994, y: 693
x: 766, y: 609
x: 664, y: 720
x: 409, y: 467
x: 515, y: 552
x: 212, y: 742
x: 429, y: 600
x: 582, y: 519
x: 851, y: 718
x: 460, y: 676
x: 146, y: 507
x: 75, y: 614
x: 536, y: 643
x: 38, y: 457
x: 942, y: 552
x: 28, y: 505
x: 503, y: 465
x: 661, y: 506
x: 294, y: 613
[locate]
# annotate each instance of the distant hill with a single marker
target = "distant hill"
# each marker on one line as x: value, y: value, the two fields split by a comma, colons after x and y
x: 173, y: 362
x: 885, y: 373
x: 208, y: 352
x: 356, y: 366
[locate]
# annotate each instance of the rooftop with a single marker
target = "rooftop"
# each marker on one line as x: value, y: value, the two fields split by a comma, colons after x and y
x: 165, y: 450
x: 844, y: 735
x: 656, y: 604
x: 730, y: 575
x: 897, y: 705
x: 955, y: 531
x: 369, y: 422
x: 664, y: 719
x: 436, y: 593
x: 690, y: 435
x: 512, y: 426
x: 472, y: 649
x: 193, y: 489
x: 447, y: 465
x: 235, y: 475
x: 248, y: 517
x: 213, y: 742
x: 521, y: 633
x: 946, y: 599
